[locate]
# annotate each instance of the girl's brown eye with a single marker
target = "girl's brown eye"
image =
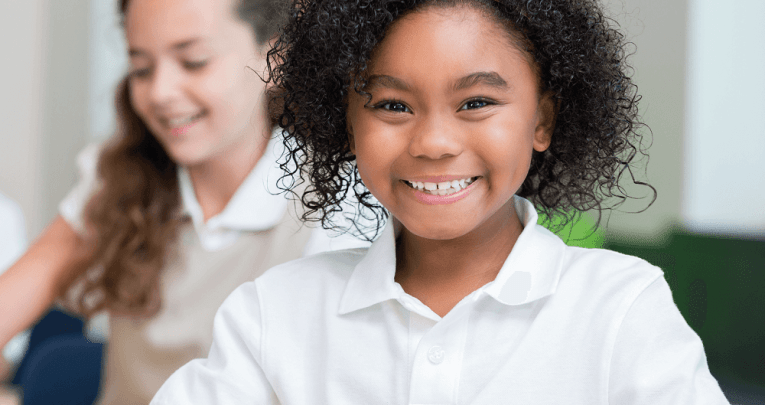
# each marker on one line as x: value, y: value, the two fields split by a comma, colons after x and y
x: 194, y: 65
x: 393, y: 106
x: 474, y: 104
x: 397, y: 107
x: 138, y: 73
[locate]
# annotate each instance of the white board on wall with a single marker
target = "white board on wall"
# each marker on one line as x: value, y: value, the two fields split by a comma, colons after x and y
x: 724, y: 187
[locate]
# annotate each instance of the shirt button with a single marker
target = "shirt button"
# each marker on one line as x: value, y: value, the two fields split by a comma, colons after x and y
x: 436, y: 354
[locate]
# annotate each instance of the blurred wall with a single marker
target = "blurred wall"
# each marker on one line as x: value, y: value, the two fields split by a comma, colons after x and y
x: 658, y: 30
x: 23, y: 31
x: 65, y: 103
x: 108, y: 64
x: 725, y: 172
x: 44, y: 100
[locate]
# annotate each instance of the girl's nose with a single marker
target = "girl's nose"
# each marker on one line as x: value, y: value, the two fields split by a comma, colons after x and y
x: 165, y: 85
x: 435, y: 138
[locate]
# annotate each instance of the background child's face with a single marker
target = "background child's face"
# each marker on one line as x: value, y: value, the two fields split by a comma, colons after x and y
x: 452, y: 99
x: 189, y: 82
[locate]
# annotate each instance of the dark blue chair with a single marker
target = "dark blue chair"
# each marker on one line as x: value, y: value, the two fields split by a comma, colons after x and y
x: 61, y: 365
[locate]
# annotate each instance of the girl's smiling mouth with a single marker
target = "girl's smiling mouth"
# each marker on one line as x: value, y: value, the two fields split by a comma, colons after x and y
x: 441, y: 188
x: 438, y: 193
x: 180, y: 126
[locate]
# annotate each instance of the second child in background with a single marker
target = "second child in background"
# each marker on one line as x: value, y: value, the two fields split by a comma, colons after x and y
x: 178, y: 208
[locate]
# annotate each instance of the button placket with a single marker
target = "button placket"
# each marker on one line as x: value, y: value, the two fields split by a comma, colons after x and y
x: 436, y: 354
x: 438, y: 361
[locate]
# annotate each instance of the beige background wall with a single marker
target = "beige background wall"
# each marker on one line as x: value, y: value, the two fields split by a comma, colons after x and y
x: 23, y: 30
x: 43, y: 102
x: 658, y: 29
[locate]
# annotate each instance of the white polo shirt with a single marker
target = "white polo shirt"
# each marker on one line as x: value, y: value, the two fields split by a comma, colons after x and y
x: 256, y: 230
x: 254, y: 207
x: 558, y: 325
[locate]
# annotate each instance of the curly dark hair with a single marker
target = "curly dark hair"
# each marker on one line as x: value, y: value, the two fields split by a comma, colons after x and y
x: 574, y: 49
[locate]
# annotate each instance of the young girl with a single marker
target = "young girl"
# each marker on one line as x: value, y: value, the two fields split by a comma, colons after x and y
x: 177, y: 209
x: 459, y: 116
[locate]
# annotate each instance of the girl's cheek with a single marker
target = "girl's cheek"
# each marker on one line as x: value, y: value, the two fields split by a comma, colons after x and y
x: 138, y: 99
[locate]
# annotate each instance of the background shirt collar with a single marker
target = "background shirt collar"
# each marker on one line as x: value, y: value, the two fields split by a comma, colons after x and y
x: 253, y: 207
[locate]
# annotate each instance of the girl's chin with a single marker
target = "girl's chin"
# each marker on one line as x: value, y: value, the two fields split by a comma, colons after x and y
x: 186, y: 155
x: 443, y: 232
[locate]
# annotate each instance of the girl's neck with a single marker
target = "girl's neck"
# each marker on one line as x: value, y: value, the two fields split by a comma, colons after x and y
x: 440, y: 273
x: 216, y: 180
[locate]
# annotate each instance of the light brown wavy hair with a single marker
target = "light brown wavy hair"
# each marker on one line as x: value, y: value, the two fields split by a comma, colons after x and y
x: 134, y: 217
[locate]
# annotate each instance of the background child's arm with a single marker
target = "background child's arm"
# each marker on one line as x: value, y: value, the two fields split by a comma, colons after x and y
x: 31, y: 285
x: 657, y: 358
x: 232, y: 372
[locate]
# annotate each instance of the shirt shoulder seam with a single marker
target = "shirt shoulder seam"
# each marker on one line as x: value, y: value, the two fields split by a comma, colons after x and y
x: 628, y: 303
x: 262, y: 313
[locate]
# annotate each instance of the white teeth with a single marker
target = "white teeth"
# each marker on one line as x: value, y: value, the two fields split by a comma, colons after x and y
x: 178, y: 122
x: 443, y: 188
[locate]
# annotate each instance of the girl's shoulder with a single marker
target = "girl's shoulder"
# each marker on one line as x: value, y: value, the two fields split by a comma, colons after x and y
x: 309, y: 288
x: 72, y: 207
x: 321, y: 267
x: 606, y: 275
x: 593, y: 264
x: 607, y: 260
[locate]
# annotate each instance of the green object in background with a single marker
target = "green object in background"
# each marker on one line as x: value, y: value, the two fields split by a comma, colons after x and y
x: 718, y: 284
x: 580, y: 232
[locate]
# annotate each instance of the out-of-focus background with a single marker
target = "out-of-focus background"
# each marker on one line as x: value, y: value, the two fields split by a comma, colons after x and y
x: 699, y: 65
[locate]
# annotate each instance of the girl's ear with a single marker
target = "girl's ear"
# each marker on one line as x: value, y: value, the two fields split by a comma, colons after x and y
x: 351, y: 140
x: 547, y: 111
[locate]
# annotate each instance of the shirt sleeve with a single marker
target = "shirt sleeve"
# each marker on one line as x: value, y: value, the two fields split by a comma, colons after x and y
x: 72, y: 207
x: 232, y: 372
x: 657, y: 358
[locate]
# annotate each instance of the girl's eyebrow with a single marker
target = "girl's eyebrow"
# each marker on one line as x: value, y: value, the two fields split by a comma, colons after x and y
x: 179, y: 46
x: 386, y: 81
x: 492, y: 79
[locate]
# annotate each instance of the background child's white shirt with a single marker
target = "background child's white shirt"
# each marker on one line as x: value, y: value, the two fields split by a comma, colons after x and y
x: 558, y: 325
x: 254, y: 207
x: 13, y: 243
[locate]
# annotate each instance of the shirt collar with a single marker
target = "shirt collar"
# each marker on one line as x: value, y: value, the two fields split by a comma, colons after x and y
x: 530, y: 272
x: 256, y: 204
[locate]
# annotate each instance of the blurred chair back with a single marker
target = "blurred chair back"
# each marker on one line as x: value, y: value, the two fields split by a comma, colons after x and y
x: 61, y: 366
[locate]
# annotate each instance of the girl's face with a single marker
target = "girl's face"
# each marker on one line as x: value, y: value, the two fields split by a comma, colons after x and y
x: 189, y: 80
x: 454, y: 106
